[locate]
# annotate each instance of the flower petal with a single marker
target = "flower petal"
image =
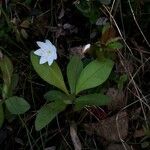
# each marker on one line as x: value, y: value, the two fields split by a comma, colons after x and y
x: 54, y: 48
x: 42, y: 45
x: 55, y: 56
x: 43, y: 60
x: 39, y: 52
x: 50, y: 61
x: 50, y: 45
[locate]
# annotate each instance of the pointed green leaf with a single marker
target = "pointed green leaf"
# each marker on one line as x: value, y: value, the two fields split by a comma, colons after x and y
x: 47, y: 113
x: 74, y: 69
x: 123, y: 78
x: 1, y: 115
x: 94, y: 74
x: 51, y: 74
x: 17, y: 105
x: 115, y: 45
x: 112, y: 40
x: 6, y: 67
x: 105, y: 28
x: 90, y: 100
x: 15, y: 80
x: 55, y: 95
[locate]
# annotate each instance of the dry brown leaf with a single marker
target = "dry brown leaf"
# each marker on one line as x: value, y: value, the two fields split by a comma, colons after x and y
x: 109, y: 128
x: 135, y: 113
x: 110, y: 33
x: 76, y: 51
x: 125, y: 67
x: 25, y: 24
x: 139, y: 133
x: 117, y: 99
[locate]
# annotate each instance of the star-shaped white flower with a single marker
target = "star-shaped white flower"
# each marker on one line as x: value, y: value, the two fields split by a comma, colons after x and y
x: 47, y: 51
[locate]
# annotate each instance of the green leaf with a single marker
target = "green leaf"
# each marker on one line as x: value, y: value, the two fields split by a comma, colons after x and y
x: 91, y: 99
x: 112, y: 40
x: 51, y: 74
x: 47, y: 113
x: 6, y: 67
x: 1, y: 115
x: 17, y: 105
x: 94, y: 74
x: 105, y: 28
x: 121, y: 81
x: 55, y: 95
x: 115, y: 45
x: 15, y: 80
x: 74, y: 69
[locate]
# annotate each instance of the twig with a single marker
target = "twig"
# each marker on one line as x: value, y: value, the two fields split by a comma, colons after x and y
x: 118, y: 29
x: 138, y: 24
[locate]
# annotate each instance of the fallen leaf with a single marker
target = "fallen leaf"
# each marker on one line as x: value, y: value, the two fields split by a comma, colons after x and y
x: 108, y: 128
x: 135, y: 114
x: 110, y: 33
x: 117, y: 99
x: 139, y: 133
x: 25, y: 24
x: 125, y: 67
x: 76, y: 51
x: 68, y: 26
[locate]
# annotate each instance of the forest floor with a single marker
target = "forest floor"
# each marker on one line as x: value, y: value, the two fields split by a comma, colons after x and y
x: 124, y: 123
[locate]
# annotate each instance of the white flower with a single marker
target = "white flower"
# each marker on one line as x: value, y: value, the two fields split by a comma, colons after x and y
x: 47, y: 51
x: 86, y: 47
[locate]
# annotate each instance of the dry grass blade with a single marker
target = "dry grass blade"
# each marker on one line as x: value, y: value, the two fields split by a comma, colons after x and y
x: 138, y: 24
x: 74, y: 137
x: 119, y: 31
